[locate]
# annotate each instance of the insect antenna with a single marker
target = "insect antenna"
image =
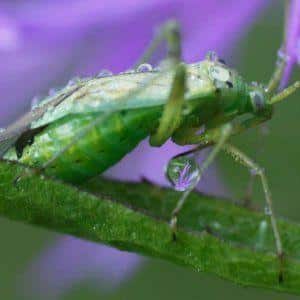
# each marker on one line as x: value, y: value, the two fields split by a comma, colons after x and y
x: 285, y: 93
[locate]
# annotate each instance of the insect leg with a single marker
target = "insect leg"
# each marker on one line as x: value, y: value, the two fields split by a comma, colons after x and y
x: 171, y: 116
x: 170, y: 32
x: 259, y: 171
x: 225, y: 132
x: 282, y: 57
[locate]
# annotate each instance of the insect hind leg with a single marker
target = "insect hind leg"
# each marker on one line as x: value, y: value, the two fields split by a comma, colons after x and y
x: 259, y: 171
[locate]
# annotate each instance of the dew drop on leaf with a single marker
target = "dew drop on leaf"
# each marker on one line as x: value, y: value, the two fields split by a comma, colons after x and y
x: 183, y: 173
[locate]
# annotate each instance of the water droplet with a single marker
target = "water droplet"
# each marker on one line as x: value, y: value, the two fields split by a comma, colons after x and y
x: 183, y: 173
x: 2, y: 130
x: 212, y: 56
x: 219, y: 73
x: 144, y: 68
x: 53, y: 91
x: 253, y: 172
x: 282, y: 57
x: 73, y: 81
x: 130, y: 71
x: 35, y: 102
x: 267, y: 211
x: 104, y: 73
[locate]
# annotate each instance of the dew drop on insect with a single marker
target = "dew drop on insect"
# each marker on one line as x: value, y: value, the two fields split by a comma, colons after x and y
x: 144, y: 68
x: 52, y: 91
x: 130, y: 71
x: 104, y: 73
x: 282, y: 57
x: 73, y: 81
x: 212, y: 56
x: 183, y: 173
x: 267, y: 211
x: 35, y: 102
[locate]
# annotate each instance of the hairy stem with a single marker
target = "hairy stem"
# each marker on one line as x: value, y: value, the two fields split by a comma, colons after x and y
x: 214, y: 235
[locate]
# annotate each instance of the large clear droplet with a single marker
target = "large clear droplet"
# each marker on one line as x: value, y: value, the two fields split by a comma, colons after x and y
x: 183, y: 173
x: 104, y: 73
x: 144, y: 68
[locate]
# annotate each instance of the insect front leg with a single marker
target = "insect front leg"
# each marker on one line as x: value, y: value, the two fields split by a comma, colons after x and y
x: 225, y: 132
x: 169, y: 32
x: 259, y: 171
x: 172, y: 113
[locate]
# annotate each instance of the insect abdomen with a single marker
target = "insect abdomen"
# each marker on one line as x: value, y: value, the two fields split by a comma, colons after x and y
x: 101, y: 147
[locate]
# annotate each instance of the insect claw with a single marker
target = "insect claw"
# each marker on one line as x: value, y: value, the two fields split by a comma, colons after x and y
x: 281, y: 268
x: 174, y: 237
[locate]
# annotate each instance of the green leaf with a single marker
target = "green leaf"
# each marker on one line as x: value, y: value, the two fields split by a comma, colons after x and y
x: 214, y: 235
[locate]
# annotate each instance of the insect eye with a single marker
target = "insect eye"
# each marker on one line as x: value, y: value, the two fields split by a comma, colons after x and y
x: 258, y: 100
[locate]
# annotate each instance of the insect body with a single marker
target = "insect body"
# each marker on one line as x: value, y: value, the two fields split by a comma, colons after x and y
x: 214, y: 93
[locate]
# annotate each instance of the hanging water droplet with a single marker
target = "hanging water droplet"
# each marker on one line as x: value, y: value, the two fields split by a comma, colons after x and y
x: 144, y: 68
x: 2, y: 130
x: 212, y: 56
x: 267, y: 211
x: 104, y: 73
x: 183, y: 173
x: 73, y: 81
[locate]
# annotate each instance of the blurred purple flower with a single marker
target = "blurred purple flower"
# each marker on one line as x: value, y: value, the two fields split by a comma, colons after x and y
x: 103, y: 266
x: 43, y: 43
x: 292, y: 40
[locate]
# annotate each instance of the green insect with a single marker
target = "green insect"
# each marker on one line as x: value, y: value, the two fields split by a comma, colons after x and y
x: 91, y: 124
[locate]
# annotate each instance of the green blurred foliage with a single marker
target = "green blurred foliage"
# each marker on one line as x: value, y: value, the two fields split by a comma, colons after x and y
x: 254, y: 57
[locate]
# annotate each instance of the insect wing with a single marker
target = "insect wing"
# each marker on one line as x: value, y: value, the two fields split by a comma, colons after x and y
x: 13, y: 132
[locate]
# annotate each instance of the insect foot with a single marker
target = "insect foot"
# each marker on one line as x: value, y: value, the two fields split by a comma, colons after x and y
x: 281, y: 258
